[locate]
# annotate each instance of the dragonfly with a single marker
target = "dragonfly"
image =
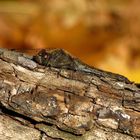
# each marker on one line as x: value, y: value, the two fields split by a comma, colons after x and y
x: 59, y: 58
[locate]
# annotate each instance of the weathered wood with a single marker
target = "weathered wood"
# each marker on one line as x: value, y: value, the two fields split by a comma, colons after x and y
x: 69, y: 101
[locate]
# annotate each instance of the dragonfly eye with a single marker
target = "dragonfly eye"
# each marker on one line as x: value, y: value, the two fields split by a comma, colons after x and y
x: 45, y: 56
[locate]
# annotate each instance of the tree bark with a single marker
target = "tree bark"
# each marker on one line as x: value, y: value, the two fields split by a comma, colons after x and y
x: 46, y: 103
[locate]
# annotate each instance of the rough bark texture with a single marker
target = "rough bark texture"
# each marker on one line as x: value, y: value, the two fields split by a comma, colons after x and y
x: 45, y: 103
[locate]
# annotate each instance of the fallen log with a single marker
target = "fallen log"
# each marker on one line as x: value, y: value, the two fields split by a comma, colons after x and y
x: 54, y: 95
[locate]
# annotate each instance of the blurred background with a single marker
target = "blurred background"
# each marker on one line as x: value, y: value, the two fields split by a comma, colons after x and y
x: 102, y: 33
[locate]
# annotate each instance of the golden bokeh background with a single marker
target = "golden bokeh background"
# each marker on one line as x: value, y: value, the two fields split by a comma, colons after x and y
x: 102, y: 33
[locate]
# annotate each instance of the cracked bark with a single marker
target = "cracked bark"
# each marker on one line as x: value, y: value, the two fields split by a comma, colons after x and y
x: 46, y: 103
